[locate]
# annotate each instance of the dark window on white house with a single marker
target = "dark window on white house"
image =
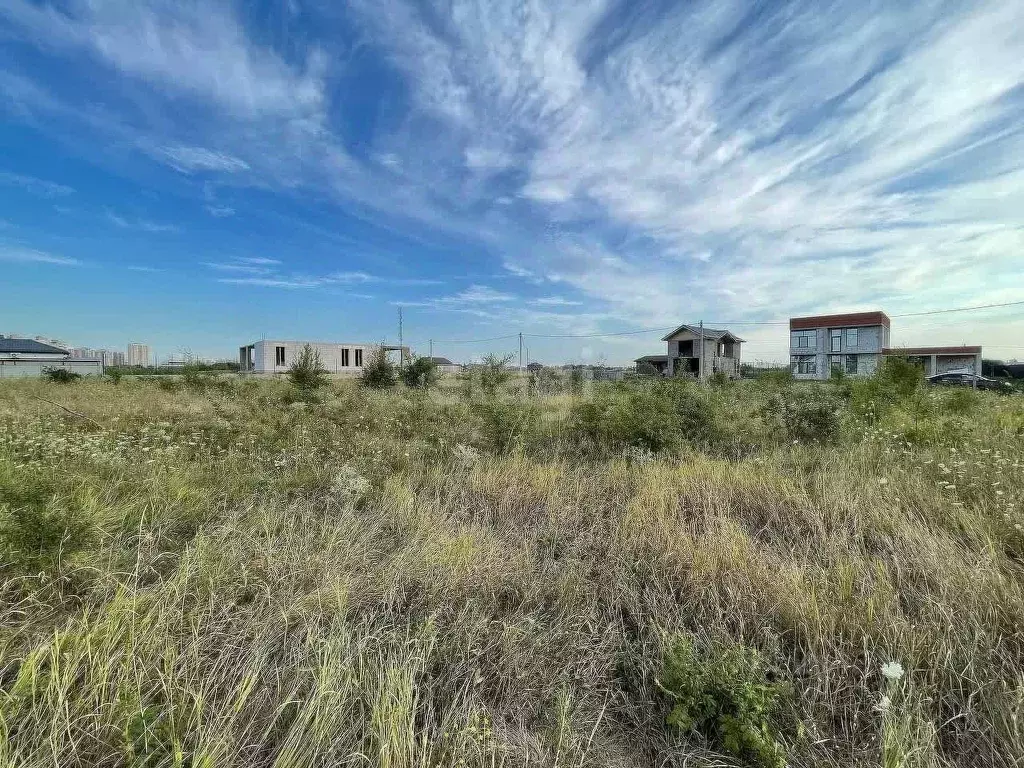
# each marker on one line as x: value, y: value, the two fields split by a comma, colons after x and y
x: 836, y: 340
x: 278, y: 355
x: 851, y: 364
x: 344, y: 358
x: 851, y: 338
x: 359, y: 358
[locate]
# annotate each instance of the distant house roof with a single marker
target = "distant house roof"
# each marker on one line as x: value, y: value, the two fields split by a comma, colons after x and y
x: 29, y: 347
x: 652, y: 359
x: 441, y: 361
x: 709, y: 333
x: 851, y: 320
x: 915, y: 351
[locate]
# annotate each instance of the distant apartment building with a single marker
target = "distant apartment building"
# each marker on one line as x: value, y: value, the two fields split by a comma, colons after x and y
x: 852, y: 343
x: 111, y: 357
x: 138, y: 355
x: 275, y: 356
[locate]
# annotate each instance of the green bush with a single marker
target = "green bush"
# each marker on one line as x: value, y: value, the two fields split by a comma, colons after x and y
x: 307, y: 374
x: 658, y: 416
x: 35, y: 528
x: 61, y: 375
x: 725, y: 694
x: 805, y: 414
x: 504, y: 424
x: 379, y: 372
x: 961, y: 402
x: 899, y: 377
x: 421, y: 373
x: 494, y: 373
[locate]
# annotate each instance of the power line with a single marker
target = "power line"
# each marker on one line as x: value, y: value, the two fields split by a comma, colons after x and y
x: 477, y: 341
x: 962, y: 309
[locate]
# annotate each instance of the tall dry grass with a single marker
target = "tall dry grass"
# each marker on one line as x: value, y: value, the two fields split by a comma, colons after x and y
x: 400, y: 579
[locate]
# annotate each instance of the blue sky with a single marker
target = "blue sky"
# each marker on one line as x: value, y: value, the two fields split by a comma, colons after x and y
x: 199, y: 174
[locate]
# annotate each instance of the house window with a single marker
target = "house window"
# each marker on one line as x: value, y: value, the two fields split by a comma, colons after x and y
x: 344, y: 358
x: 851, y: 364
x: 804, y: 364
x: 836, y: 340
x: 278, y: 355
x: 835, y: 362
x: 851, y: 338
x: 359, y: 358
x: 803, y: 340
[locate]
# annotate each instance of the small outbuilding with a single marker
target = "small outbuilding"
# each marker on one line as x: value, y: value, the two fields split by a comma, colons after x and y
x: 20, y: 358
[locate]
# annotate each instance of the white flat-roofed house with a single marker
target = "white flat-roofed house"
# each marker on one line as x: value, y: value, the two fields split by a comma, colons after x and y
x: 275, y: 356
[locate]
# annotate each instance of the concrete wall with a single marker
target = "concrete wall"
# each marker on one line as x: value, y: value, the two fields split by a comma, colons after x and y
x: 23, y: 367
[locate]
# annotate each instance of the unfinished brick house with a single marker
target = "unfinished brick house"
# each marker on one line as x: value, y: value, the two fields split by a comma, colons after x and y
x: 721, y: 353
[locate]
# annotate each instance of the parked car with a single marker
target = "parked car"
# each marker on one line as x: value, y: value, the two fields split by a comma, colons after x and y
x: 968, y: 380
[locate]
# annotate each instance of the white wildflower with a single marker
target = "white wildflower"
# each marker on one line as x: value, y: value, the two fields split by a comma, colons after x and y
x: 883, y: 704
x: 892, y: 670
x: 882, y: 481
x: 348, y: 485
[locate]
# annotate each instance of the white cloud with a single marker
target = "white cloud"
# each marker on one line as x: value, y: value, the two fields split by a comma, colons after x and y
x: 192, y: 159
x: 38, y: 187
x: 556, y: 301
x: 197, y: 48
x: 19, y: 255
x: 256, y: 260
x: 220, y: 211
x: 481, y: 294
x: 143, y: 225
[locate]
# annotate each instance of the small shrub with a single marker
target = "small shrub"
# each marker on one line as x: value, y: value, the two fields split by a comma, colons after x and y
x: 899, y: 377
x: 379, y: 372
x: 115, y: 375
x: 805, y: 416
x: 167, y: 384
x: 494, y: 373
x: 776, y: 380
x: 506, y: 423
x: 61, y: 375
x: 36, y: 530
x: 307, y: 374
x: 657, y: 416
x: 576, y: 380
x: 961, y: 402
x: 421, y: 373
x: 726, y: 695
x: 719, y: 380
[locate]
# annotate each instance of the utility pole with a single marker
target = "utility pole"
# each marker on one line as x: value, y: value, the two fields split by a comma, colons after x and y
x: 401, y: 346
x: 520, y: 351
x: 431, y: 342
x: 700, y: 355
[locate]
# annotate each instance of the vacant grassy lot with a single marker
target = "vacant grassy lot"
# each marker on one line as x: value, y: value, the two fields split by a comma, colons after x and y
x: 211, y: 575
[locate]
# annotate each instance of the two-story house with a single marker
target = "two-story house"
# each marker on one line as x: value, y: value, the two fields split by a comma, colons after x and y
x: 853, y: 343
x: 721, y: 353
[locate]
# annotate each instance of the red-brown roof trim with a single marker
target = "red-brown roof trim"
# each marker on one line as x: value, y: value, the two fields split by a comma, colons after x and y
x: 895, y: 351
x: 851, y: 320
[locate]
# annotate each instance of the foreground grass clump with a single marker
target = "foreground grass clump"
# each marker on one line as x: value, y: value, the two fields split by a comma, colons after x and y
x: 218, y: 574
